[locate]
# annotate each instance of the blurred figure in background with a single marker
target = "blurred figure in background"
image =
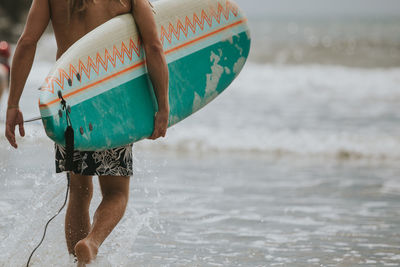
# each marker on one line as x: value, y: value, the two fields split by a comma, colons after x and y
x: 4, y: 66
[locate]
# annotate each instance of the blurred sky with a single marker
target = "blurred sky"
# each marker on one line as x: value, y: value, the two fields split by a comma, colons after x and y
x: 321, y: 7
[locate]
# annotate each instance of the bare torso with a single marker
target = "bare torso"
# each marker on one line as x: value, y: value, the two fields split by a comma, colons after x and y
x: 68, y: 32
x: 97, y: 13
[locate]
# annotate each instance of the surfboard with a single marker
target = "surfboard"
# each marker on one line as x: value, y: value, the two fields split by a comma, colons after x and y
x: 103, y: 77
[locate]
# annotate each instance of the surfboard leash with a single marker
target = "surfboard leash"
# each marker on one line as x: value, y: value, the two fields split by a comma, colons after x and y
x: 69, y: 134
x: 33, y: 119
x: 47, y: 224
x: 69, y: 147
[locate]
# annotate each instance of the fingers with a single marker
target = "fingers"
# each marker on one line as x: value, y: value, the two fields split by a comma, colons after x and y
x: 14, y: 118
x: 153, y: 136
x: 160, y: 127
x: 11, y: 136
x: 20, y: 122
x: 163, y: 132
x: 158, y: 132
x: 21, y: 129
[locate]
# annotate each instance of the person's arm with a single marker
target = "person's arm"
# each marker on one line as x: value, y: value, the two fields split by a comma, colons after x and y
x: 38, y: 19
x: 156, y: 63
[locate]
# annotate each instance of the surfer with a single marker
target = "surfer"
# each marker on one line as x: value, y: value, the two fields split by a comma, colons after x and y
x: 4, y: 66
x: 72, y: 19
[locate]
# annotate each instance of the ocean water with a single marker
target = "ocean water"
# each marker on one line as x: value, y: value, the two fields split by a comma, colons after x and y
x: 296, y: 164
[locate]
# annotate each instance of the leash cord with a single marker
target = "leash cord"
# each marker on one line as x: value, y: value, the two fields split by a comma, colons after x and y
x: 69, y: 136
x: 45, y: 228
x: 33, y: 119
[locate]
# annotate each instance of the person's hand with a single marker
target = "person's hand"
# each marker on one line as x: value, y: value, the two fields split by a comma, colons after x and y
x: 14, y: 117
x: 160, y: 124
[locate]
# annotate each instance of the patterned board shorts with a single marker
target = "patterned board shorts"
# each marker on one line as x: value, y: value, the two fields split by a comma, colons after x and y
x: 115, y: 161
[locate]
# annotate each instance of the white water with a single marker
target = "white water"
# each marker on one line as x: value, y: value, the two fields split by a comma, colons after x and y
x: 309, y: 110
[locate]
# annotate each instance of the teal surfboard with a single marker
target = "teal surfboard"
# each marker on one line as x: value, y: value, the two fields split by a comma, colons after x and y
x: 104, y: 81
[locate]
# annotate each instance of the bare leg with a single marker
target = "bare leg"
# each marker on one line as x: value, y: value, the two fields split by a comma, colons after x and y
x: 115, y: 191
x: 77, y: 220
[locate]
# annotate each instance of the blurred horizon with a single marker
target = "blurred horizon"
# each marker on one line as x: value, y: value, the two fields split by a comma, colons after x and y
x: 355, y: 33
x: 319, y: 8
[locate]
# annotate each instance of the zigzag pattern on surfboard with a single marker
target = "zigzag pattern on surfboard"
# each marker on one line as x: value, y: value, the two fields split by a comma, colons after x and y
x: 196, y: 21
x: 120, y: 54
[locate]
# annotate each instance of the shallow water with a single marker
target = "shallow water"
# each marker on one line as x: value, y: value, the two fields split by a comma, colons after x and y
x: 309, y: 181
x: 216, y: 210
x: 238, y: 211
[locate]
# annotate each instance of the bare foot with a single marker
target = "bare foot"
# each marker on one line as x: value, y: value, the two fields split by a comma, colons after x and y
x: 85, y: 251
